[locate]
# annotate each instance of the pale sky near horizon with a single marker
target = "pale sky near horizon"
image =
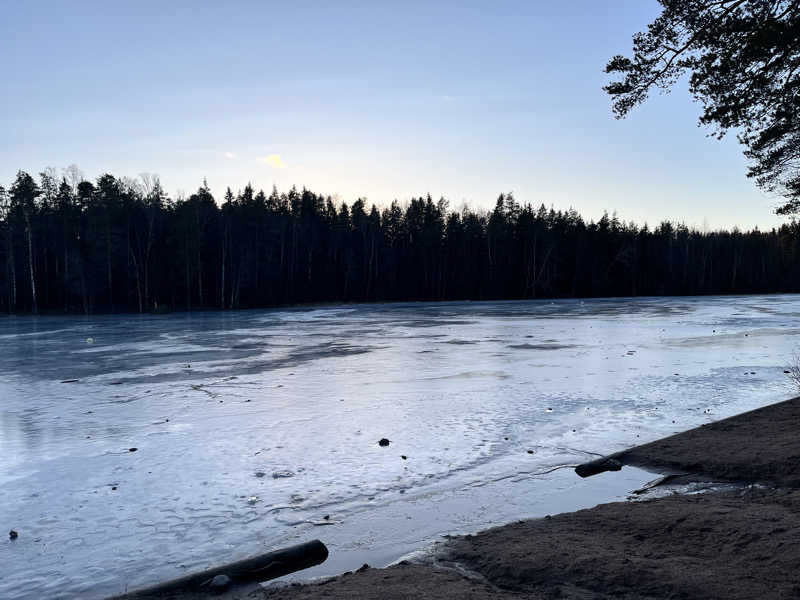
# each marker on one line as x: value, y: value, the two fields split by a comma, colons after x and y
x: 381, y: 100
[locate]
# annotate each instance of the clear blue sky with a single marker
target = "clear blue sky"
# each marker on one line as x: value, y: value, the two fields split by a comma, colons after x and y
x: 377, y: 99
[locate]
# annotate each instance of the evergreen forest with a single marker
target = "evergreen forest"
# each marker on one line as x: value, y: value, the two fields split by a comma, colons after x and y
x: 70, y: 245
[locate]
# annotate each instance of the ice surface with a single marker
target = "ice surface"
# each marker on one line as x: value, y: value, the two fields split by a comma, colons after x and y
x: 251, y: 427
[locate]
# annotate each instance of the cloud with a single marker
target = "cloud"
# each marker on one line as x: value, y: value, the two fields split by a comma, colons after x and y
x: 230, y: 155
x: 273, y: 160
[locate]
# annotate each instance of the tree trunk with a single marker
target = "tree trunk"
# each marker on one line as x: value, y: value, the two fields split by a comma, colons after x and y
x: 224, y: 260
x: 12, y: 272
x: 199, y: 275
x: 188, y: 272
x: 138, y: 279
x: 29, y: 234
x: 108, y: 267
x: 84, y: 291
x: 66, y: 268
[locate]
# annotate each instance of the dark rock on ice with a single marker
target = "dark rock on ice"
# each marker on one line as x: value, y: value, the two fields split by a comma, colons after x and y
x: 383, y: 442
x: 220, y: 583
x: 13, y: 534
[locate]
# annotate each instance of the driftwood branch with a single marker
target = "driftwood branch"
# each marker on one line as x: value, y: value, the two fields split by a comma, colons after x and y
x: 255, y: 569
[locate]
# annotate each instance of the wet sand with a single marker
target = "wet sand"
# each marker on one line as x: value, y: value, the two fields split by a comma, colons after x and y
x: 738, y: 543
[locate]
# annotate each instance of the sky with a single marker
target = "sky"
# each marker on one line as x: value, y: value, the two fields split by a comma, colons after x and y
x: 381, y: 100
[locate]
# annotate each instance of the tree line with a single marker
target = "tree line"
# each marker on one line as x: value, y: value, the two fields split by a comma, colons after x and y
x: 118, y: 244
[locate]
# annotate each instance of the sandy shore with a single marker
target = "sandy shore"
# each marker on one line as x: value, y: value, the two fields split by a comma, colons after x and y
x: 703, y: 546
x: 740, y: 542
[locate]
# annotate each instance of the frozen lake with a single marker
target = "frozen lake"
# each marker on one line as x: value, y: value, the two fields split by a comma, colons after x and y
x: 251, y: 427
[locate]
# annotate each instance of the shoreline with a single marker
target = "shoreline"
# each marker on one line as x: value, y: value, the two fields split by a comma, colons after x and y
x: 733, y: 540
x: 735, y: 449
x: 350, y: 304
x: 731, y: 543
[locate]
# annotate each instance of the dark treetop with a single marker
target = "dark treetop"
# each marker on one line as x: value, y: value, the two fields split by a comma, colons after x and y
x: 743, y: 57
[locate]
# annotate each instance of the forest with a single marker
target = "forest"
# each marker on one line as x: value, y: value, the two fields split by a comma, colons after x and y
x: 120, y: 244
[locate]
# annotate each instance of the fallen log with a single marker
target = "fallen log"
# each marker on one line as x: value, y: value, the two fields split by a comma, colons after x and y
x: 250, y: 570
x: 601, y: 465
